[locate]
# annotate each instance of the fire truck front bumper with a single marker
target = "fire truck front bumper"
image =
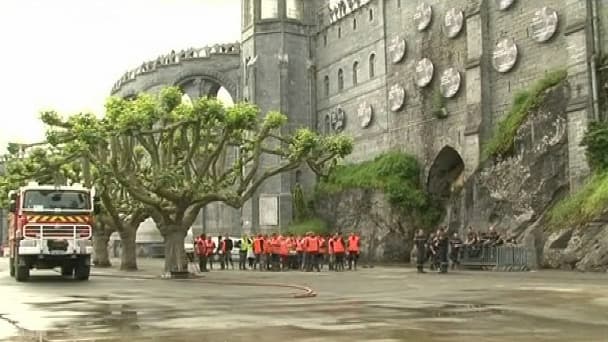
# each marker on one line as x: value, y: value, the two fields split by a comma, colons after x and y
x: 54, y: 247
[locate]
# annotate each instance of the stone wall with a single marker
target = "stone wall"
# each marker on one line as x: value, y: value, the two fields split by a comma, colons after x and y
x: 386, y: 235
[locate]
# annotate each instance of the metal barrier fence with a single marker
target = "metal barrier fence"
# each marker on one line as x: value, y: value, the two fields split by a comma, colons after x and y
x: 500, y: 258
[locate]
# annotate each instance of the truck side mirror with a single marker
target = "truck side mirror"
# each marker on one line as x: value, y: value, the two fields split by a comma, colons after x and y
x: 12, y: 207
x: 12, y: 197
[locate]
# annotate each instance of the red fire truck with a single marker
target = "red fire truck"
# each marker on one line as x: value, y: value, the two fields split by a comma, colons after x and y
x: 51, y: 226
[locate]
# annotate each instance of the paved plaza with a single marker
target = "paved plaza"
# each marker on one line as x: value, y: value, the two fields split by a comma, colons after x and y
x: 373, y: 304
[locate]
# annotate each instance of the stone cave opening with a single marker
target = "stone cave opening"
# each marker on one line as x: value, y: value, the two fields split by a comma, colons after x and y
x: 445, y: 175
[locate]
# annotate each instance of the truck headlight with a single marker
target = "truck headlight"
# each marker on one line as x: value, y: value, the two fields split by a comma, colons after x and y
x: 28, y: 243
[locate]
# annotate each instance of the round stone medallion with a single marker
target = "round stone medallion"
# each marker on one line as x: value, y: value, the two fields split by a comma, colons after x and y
x: 450, y: 83
x: 337, y: 118
x: 453, y: 22
x: 423, y: 16
x: 397, y: 49
x: 396, y: 97
x: 365, y: 113
x: 424, y: 72
x: 503, y: 5
x: 504, y: 56
x: 544, y: 24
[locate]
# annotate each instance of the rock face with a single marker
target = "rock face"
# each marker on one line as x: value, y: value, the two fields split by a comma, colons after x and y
x: 515, y: 193
x: 385, y: 234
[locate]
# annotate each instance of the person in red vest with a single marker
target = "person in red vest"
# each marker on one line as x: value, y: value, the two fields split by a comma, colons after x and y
x: 322, y: 250
x: 312, y: 252
x: 330, y: 250
x: 299, y: 252
x: 339, y: 251
x: 258, y: 251
x: 201, y: 252
x: 209, y: 248
x: 267, y: 252
x: 354, y: 245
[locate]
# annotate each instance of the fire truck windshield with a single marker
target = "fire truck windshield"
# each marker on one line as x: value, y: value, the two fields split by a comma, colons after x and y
x: 40, y: 200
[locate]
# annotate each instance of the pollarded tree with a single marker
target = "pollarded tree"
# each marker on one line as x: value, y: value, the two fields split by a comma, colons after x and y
x: 173, y: 156
x: 83, y: 136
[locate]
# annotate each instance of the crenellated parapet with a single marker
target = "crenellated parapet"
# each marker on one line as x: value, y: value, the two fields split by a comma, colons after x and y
x: 335, y: 13
x: 175, y: 58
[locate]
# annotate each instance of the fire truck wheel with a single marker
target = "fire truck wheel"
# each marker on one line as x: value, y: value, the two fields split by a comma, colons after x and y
x: 22, y: 273
x: 82, y: 272
x: 11, y: 267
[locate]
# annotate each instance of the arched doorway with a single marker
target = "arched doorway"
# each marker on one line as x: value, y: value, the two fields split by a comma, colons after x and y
x: 446, y: 174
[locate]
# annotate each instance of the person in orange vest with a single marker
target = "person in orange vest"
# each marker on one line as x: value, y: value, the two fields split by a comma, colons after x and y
x: 322, y: 250
x: 258, y: 249
x: 312, y: 251
x: 330, y: 250
x: 283, y: 252
x: 299, y: 252
x: 354, y: 245
x: 339, y: 252
x: 267, y: 252
x: 291, y: 248
x: 210, y: 247
x: 201, y: 252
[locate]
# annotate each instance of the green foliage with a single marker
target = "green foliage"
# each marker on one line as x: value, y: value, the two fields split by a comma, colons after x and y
x: 396, y: 174
x: 314, y: 225
x: 438, y: 104
x: 596, y: 143
x: 299, y: 203
x: 584, y: 205
x: 525, y: 101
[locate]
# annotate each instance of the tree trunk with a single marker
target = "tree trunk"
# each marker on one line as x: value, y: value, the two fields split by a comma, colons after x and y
x: 100, y: 248
x: 128, y: 257
x: 175, y: 254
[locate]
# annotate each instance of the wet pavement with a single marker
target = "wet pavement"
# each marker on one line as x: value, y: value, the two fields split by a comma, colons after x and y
x: 379, y: 304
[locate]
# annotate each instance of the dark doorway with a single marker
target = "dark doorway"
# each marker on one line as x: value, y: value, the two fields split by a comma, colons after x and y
x: 446, y: 174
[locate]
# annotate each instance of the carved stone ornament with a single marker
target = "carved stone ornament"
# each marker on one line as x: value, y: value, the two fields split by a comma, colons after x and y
x: 424, y: 72
x: 453, y: 22
x: 337, y: 117
x: 450, y: 83
x: 544, y: 24
x: 505, y: 55
x: 503, y: 5
x: 423, y: 16
x: 365, y: 113
x: 397, y: 49
x: 396, y: 97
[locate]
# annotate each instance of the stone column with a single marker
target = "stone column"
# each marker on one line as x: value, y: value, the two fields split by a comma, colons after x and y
x: 475, y: 83
x: 579, y: 109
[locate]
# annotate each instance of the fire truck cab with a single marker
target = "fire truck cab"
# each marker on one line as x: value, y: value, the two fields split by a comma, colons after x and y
x: 51, y: 226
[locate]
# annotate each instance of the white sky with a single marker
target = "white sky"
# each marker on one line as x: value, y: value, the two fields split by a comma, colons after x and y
x: 66, y: 54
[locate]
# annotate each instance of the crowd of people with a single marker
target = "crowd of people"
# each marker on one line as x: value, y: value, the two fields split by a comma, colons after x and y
x: 440, y: 249
x: 281, y: 252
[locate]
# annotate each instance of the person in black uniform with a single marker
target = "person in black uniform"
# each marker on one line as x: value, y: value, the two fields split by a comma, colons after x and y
x: 420, y: 243
x: 455, y: 245
x: 443, y: 244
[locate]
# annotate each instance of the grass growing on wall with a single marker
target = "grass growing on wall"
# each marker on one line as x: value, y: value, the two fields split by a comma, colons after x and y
x: 314, y: 225
x: 394, y: 173
x: 524, y: 101
x: 583, y: 206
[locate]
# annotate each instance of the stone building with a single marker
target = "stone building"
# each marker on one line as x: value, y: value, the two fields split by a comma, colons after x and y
x: 428, y: 77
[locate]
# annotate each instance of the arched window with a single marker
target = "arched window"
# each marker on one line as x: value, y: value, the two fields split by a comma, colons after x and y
x: 295, y: 9
x: 326, y: 85
x: 398, y: 3
x: 270, y: 9
x: 355, y: 73
x: 354, y: 23
x: 327, y: 124
x: 339, y: 32
x: 340, y: 80
x: 298, y: 176
x: 371, y: 14
x: 324, y: 39
x: 372, y: 65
